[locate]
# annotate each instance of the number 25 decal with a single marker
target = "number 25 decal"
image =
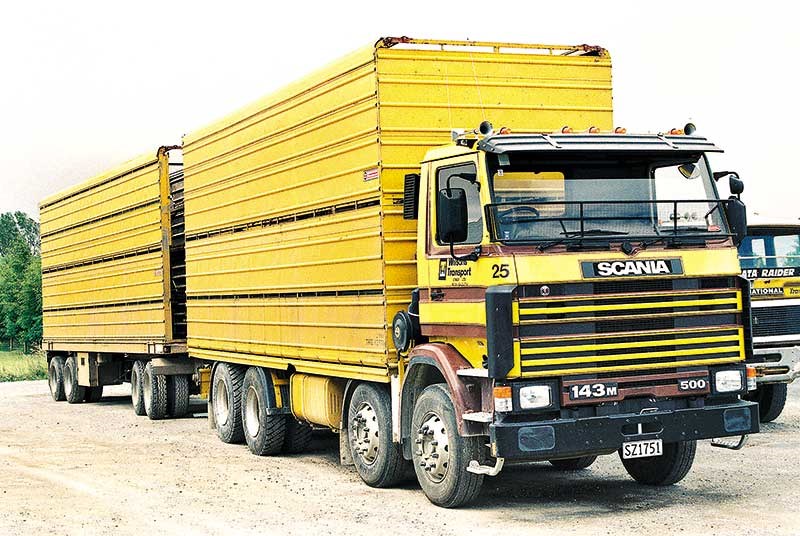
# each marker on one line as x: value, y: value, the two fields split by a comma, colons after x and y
x: 499, y: 271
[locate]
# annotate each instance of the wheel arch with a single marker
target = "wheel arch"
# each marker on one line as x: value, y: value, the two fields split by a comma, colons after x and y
x: 438, y: 363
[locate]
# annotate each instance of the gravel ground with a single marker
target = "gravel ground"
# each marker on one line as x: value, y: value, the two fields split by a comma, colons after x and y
x: 97, y: 469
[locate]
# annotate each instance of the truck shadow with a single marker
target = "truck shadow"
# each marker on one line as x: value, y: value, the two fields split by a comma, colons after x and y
x: 587, y: 492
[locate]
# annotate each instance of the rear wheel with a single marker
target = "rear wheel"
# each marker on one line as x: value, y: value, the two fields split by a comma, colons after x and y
x: 573, y: 464
x: 264, y: 433
x: 440, y: 454
x: 178, y: 395
x: 55, y: 378
x: 377, y: 458
x: 137, y: 388
x: 73, y: 392
x: 771, y: 398
x: 298, y: 436
x: 154, y: 387
x: 93, y: 394
x: 664, y: 470
x: 227, y: 396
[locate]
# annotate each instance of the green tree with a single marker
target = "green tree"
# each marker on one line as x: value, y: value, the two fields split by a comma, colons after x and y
x: 20, y: 281
x: 14, y: 225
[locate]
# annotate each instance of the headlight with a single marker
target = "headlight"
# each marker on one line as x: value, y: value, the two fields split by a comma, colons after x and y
x: 728, y: 381
x: 535, y: 396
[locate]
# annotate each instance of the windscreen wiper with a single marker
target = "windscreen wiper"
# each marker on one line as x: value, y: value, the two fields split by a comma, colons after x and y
x: 569, y: 235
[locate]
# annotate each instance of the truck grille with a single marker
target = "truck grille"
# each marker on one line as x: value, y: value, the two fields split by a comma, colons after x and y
x: 776, y: 320
x: 590, y: 328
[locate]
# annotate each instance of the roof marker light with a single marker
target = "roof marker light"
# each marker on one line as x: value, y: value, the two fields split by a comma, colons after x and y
x: 620, y: 130
x: 593, y: 130
x: 504, y: 130
x: 566, y: 129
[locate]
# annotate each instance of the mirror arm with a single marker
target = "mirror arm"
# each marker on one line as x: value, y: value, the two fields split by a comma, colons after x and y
x: 470, y: 257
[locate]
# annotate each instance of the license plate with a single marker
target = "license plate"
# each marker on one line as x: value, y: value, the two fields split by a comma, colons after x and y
x: 642, y: 449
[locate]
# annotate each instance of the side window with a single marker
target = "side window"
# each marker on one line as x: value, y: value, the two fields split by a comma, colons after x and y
x: 464, y: 176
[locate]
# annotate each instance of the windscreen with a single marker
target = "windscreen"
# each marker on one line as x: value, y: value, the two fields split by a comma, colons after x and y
x: 586, y: 197
x: 768, y: 250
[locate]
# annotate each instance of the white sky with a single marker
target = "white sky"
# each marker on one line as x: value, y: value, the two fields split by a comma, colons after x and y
x: 86, y: 85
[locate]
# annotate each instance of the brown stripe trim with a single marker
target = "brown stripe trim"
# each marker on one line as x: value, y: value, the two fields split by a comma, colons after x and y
x: 453, y: 294
x: 454, y: 330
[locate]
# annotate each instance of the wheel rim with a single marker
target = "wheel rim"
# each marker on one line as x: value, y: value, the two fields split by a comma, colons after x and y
x: 221, y: 402
x: 252, y: 412
x: 433, y: 448
x: 365, y: 433
x: 68, y: 379
x: 51, y: 379
x: 134, y: 384
x: 147, y: 387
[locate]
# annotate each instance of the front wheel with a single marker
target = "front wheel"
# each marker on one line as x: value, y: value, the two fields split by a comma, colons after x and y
x: 440, y: 454
x: 377, y: 458
x: 664, y: 470
x: 771, y: 398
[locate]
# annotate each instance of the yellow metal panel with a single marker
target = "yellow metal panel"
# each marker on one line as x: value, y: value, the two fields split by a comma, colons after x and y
x: 265, y: 189
x: 131, y: 279
x: 104, y: 260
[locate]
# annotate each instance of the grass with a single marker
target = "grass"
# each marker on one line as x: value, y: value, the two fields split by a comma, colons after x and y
x: 16, y: 366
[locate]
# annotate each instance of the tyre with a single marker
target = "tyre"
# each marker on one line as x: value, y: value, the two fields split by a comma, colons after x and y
x: 298, y: 436
x: 227, y: 394
x: 55, y: 378
x: 73, y: 392
x: 378, y: 460
x: 137, y: 388
x: 440, y: 454
x: 264, y: 433
x: 154, y: 387
x: 93, y: 394
x: 771, y: 398
x: 664, y: 470
x: 573, y: 464
x: 178, y: 395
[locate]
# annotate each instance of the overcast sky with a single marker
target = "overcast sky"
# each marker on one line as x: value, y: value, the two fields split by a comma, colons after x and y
x: 87, y: 85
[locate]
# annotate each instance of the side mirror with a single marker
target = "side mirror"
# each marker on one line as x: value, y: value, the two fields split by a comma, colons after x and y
x: 736, y: 186
x: 736, y: 215
x: 451, y: 215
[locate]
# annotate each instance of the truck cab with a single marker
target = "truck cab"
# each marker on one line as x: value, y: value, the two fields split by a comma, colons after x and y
x: 580, y: 295
x: 770, y: 259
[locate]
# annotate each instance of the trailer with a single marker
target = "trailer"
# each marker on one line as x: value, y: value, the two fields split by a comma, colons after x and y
x: 364, y: 251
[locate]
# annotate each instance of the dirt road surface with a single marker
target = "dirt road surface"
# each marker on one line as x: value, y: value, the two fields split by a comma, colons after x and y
x: 99, y: 469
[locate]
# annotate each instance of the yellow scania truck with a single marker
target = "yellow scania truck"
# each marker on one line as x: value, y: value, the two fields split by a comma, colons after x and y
x: 339, y: 254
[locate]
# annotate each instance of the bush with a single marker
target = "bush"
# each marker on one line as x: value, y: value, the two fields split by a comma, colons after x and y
x: 15, y: 366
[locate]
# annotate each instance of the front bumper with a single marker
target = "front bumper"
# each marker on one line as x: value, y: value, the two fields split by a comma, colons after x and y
x: 565, y: 438
x: 775, y: 365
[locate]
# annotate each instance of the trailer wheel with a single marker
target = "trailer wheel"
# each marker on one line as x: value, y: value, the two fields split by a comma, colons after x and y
x: 573, y: 464
x: 298, y: 436
x: 227, y: 385
x: 154, y: 387
x: 137, y: 388
x: 178, y: 395
x: 55, y: 378
x: 264, y: 433
x: 664, y: 470
x: 771, y: 398
x: 73, y: 392
x: 93, y: 394
x: 377, y: 458
x: 440, y: 454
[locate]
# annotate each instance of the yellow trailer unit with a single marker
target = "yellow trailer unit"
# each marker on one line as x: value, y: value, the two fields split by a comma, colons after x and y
x: 297, y: 251
x: 111, y: 274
